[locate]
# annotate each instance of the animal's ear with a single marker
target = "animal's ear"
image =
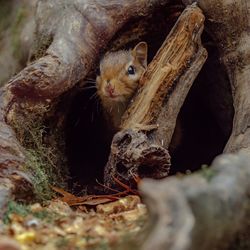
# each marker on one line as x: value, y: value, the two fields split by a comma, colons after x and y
x: 140, y: 52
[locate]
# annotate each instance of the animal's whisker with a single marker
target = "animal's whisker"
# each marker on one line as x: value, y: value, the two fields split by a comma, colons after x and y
x: 86, y: 82
x: 89, y: 79
x: 88, y: 87
x: 93, y: 96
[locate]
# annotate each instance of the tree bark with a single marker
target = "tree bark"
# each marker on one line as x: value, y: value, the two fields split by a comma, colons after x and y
x: 203, y: 211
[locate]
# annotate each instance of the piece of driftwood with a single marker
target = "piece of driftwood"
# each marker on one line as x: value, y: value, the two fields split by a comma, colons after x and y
x: 202, y: 211
x: 140, y: 148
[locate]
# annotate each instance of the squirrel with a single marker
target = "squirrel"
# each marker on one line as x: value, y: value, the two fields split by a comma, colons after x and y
x: 118, y: 80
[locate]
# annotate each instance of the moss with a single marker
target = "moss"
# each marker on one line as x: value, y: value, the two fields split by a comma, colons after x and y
x: 24, y: 210
x: 207, y: 172
x: 36, y: 164
x: 47, y: 215
x: 104, y: 245
x: 44, y: 155
x: 15, y: 208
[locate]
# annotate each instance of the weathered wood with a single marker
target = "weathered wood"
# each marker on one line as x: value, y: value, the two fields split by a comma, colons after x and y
x: 171, y: 72
x: 202, y: 211
x: 14, y: 183
x: 171, y: 109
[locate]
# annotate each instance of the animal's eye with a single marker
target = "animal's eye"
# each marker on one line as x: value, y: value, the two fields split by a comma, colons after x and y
x: 131, y: 70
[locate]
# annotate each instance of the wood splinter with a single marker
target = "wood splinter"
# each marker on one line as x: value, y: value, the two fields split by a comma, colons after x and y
x: 141, y: 146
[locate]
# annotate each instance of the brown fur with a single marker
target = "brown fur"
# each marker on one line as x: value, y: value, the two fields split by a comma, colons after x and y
x: 114, y: 72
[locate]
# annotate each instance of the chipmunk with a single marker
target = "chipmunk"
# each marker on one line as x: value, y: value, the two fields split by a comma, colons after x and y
x: 117, y: 83
x: 119, y: 77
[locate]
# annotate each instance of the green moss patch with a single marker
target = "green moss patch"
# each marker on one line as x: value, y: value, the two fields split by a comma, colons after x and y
x: 44, y: 153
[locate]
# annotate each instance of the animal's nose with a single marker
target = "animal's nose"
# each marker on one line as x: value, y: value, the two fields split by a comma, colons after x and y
x: 109, y: 88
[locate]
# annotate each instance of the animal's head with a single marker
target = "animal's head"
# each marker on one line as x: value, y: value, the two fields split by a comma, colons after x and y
x: 120, y: 73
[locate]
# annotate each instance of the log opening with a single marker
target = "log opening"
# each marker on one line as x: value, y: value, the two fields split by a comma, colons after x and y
x: 87, y: 143
x: 206, y: 123
x: 206, y: 116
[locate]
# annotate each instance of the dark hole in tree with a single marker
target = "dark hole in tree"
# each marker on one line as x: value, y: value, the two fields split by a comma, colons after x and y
x: 206, y: 119
x: 87, y: 140
x: 206, y: 115
x: 121, y: 169
x: 146, y: 171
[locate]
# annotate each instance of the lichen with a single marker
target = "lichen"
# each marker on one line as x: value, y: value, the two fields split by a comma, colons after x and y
x: 15, y: 208
x: 44, y: 153
x: 207, y: 172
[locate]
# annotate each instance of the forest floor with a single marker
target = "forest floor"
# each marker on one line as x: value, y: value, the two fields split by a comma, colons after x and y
x: 56, y: 225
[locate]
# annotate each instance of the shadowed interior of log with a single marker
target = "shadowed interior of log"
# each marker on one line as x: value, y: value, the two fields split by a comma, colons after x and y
x: 206, y: 123
x: 206, y: 116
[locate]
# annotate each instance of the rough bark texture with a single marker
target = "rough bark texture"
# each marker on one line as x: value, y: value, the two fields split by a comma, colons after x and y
x: 140, y: 148
x: 14, y: 183
x: 202, y: 211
